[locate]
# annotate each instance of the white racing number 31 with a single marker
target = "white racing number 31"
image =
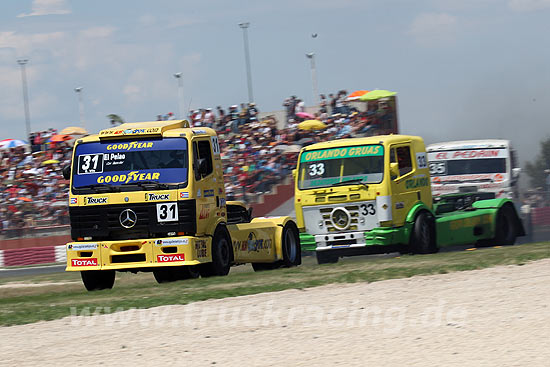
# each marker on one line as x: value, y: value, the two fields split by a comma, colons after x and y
x: 167, y: 212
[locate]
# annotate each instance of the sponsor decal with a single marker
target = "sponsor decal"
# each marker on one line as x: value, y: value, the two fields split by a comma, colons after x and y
x: 170, y: 258
x: 208, y: 193
x: 82, y: 246
x: 172, y: 242
x: 416, y: 182
x: 134, y: 176
x: 200, y: 248
x: 498, y: 178
x: 205, y: 211
x: 84, y: 262
x: 184, y: 195
x: 157, y: 197
x: 132, y: 145
x: 199, y: 131
x: 344, y: 152
x: 222, y: 202
x: 73, y: 200
x: 252, y: 244
x: 199, y: 193
x: 399, y: 205
x: 91, y: 200
x: 468, y: 154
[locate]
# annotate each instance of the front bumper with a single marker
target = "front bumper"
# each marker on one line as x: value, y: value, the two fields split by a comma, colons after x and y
x: 382, y: 236
x: 138, y: 254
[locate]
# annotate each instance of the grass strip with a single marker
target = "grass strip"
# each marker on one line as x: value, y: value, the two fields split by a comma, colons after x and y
x: 23, y: 305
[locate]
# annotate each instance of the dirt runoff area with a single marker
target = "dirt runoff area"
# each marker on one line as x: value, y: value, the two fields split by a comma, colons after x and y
x: 492, y: 317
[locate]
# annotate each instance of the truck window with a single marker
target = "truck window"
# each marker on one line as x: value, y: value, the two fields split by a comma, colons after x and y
x: 404, y: 161
x: 327, y: 167
x: 205, y: 153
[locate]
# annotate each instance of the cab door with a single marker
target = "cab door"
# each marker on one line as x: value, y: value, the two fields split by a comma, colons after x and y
x: 205, y: 184
x: 404, y: 194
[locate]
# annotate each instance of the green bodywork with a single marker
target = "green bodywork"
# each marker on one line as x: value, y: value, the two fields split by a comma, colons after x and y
x: 453, y: 227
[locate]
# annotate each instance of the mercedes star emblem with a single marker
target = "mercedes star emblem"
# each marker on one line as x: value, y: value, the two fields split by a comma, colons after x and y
x: 340, y: 218
x: 128, y: 218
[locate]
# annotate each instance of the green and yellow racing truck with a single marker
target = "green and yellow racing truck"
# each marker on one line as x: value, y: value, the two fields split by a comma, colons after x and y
x: 372, y: 195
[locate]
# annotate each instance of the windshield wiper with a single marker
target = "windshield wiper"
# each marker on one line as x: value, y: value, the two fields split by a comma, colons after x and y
x: 148, y: 185
x: 109, y: 188
x: 355, y: 180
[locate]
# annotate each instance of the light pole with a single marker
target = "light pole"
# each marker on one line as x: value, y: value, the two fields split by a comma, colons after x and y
x: 78, y: 91
x: 180, y: 93
x: 22, y: 63
x: 311, y: 57
x: 244, y: 26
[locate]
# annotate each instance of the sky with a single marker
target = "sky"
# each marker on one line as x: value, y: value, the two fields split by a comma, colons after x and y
x: 463, y: 69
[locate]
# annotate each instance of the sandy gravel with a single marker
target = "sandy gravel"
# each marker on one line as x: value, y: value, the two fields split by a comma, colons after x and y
x: 491, y: 317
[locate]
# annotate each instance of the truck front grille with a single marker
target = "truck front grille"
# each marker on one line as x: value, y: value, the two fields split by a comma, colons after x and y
x: 354, y: 220
x: 102, y: 222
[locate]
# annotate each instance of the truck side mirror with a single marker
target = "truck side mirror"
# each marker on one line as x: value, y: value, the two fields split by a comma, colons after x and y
x: 294, y: 173
x: 394, y: 170
x: 203, y: 166
x: 515, y: 173
x: 67, y: 172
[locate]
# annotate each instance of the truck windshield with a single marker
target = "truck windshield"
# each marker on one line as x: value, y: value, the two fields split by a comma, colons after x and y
x: 129, y: 164
x: 468, y: 166
x: 361, y: 164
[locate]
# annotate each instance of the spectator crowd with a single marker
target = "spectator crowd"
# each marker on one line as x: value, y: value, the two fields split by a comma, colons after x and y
x: 258, y: 153
x: 33, y: 192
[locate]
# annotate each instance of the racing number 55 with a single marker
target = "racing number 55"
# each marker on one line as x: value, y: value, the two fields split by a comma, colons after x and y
x: 167, y: 212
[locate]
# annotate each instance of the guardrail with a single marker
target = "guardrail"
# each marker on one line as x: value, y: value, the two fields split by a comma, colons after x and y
x: 33, y: 255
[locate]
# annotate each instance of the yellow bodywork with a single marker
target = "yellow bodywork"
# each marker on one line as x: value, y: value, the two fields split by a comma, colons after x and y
x: 257, y: 241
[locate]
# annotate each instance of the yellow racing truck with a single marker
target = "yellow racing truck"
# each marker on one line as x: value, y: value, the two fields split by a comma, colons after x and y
x: 150, y: 197
x: 372, y: 195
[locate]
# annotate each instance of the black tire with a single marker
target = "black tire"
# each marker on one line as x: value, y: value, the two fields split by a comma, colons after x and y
x: 95, y: 280
x: 174, y: 273
x: 423, y: 236
x: 292, y: 254
x: 222, y: 255
x: 165, y: 275
x: 506, y: 228
x: 325, y: 257
x: 192, y: 272
x: 266, y: 266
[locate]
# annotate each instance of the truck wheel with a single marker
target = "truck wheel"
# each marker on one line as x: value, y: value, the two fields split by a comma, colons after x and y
x: 506, y: 228
x: 98, y: 279
x: 423, y: 236
x: 222, y: 255
x: 165, y: 275
x: 265, y: 266
x: 324, y: 257
x: 292, y: 254
x: 192, y: 271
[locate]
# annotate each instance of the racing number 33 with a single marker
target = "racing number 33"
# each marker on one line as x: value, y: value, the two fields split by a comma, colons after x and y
x: 367, y: 209
x: 167, y: 212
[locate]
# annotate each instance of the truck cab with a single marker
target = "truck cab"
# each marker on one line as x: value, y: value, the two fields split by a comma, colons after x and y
x: 151, y: 197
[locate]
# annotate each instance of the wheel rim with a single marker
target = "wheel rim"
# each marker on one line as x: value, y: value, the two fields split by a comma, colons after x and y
x: 290, y: 246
